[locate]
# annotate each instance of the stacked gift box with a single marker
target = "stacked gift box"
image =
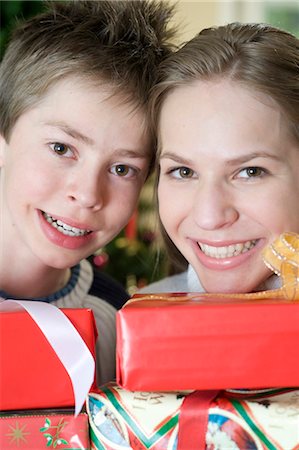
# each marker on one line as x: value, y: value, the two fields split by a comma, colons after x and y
x: 193, y: 372
x: 40, y: 401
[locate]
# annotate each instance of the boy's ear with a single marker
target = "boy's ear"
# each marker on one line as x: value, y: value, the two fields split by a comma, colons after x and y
x: 2, y: 148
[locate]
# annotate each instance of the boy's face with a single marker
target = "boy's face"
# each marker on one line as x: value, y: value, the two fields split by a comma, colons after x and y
x: 229, y: 182
x: 71, y: 173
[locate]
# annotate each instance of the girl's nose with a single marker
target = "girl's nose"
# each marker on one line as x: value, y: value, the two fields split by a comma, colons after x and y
x: 214, y: 207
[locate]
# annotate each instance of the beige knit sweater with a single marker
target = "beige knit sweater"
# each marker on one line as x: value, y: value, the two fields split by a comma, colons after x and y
x: 104, y: 315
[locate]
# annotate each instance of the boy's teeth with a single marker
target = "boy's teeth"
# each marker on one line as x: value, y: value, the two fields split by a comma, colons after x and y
x: 227, y: 251
x: 64, y: 228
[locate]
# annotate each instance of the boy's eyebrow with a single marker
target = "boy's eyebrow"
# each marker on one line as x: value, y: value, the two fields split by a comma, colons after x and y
x: 138, y: 153
x: 71, y: 132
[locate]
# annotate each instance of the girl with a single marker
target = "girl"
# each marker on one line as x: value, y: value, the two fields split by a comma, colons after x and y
x: 227, y: 117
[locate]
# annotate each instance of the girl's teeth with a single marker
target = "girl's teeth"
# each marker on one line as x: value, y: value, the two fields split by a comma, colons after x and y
x: 64, y: 228
x: 227, y: 251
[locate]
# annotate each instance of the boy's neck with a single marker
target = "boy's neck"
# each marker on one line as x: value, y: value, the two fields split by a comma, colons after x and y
x: 23, y: 283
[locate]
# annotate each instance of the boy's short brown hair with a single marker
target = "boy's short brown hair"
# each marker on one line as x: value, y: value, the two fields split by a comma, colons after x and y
x: 119, y: 43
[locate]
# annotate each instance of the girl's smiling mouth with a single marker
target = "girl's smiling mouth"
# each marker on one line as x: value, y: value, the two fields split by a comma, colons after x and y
x: 225, y: 257
x: 227, y: 251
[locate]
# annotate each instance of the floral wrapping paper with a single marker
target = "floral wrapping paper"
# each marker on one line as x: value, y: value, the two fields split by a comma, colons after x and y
x: 237, y: 420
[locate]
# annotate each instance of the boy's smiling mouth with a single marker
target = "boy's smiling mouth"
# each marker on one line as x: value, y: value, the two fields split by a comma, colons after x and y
x: 227, y: 251
x: 64, y: 228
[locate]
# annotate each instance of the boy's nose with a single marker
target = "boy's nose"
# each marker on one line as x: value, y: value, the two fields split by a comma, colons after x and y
x: 214, y: 207
x: 87, y: 190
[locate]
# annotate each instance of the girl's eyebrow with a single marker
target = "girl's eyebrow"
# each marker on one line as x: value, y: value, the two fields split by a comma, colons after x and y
x: 174, y: 157
x: 234, y: 161
x: 136, y: 154
x: 248, y: 157
x: 70, y: 131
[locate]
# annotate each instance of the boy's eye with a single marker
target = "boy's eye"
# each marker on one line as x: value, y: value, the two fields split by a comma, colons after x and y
x: 122, y: 170
x: 252, y: 172
x: 60, y: 149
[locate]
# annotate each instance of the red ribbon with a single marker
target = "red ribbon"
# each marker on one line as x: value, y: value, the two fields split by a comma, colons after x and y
x: 193, y: 420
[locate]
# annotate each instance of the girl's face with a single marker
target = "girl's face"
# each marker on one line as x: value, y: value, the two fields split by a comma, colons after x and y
x: 229, y: 181
x: 71, y: 174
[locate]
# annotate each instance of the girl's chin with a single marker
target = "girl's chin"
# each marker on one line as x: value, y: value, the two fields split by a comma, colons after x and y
x: 229, y: 287
x: 235, y: 290
x: 239, y: 279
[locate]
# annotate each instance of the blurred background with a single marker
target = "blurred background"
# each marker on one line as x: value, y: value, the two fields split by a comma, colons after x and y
x: 136, y: 256
x: 196, y: 15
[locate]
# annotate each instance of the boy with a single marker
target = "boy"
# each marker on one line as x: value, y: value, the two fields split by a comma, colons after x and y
x: 75, y: 148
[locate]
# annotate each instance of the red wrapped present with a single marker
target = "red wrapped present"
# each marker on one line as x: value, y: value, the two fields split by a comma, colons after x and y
x: 44, y: 429
x: 179, y: 341
x: 34, y: 374
x: 121, y: 419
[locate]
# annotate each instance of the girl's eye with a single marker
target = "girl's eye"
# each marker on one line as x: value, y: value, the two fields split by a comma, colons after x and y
x: 182, y: 172
x: 122, y: 170
x: 252, y: 172
x: 60, y: 149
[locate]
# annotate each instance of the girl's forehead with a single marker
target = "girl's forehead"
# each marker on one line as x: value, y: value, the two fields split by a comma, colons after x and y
x: 210, y: 98
x: 219, y: 87
x: 223, y: 118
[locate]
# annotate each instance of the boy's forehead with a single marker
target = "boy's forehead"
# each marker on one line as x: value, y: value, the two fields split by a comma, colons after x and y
x: 77, y: 82
x: 91, y: 112
x: 104, y: 91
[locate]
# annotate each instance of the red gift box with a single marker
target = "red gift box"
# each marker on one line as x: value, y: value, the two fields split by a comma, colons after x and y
x: 174, y: 342
x: 51, y: 429
x: 32, y: 376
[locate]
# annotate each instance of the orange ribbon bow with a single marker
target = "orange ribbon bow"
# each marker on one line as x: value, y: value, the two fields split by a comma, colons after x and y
x: 282, y: 256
